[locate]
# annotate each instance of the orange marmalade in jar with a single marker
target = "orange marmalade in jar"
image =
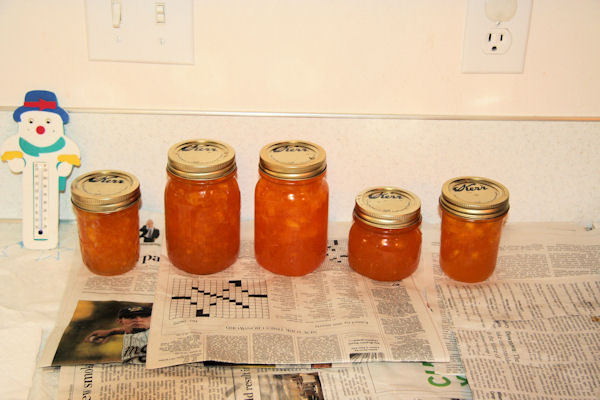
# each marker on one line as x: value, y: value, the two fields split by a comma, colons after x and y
x: 202, y: 206
x: 291, y: 208
x: 473, y: 212
x: 106, y: 205
x: 385, y: 238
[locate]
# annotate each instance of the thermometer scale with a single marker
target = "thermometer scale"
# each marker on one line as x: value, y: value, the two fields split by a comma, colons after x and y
x: 40, y: 208
x: 40, y: 201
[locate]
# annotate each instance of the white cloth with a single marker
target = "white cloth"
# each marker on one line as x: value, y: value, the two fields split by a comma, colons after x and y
x: 18, y: 351
x: 32, y: 283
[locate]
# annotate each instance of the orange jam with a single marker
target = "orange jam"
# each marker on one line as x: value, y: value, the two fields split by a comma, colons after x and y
x: 473, y: 212
x: 385, y: 240
x: 106, y: 205
x: 202, y: 206
x: 291, y: 208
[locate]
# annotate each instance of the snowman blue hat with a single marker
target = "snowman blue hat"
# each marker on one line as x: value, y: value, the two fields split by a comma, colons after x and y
x: 40, y: 100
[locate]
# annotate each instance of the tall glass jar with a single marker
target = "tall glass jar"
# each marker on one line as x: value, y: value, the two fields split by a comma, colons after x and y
x: 202, y: 206
x: 291, y: 208
x: 385, y: 238
x: 473, y: 212
x: 106, y: 205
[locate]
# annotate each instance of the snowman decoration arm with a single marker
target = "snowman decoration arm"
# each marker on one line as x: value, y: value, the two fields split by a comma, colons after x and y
x: 10, y: 153
x: 66, y: 162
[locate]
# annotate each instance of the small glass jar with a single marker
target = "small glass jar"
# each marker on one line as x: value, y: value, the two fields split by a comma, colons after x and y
x: 291, y: 208
x: 202, y: 206
x: 106, y: 205
x: 473, y: 212
x: 385, y: 238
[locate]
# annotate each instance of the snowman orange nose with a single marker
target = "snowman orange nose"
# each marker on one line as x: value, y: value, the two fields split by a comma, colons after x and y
x: 40, y: 129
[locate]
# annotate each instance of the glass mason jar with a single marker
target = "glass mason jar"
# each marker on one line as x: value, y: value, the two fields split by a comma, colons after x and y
x: 385, y: 238
x: 473, y: 212
x: 291, y: 208
x: 202, y: 206
x: 106, y: 205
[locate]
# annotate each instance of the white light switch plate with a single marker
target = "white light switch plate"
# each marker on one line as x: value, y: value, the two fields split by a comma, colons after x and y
x: 133, y: 30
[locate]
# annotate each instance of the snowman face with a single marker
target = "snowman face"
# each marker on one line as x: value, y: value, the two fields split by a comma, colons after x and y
x: 41, y: 128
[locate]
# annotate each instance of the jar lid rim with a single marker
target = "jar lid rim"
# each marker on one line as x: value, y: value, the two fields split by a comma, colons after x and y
x: 201, y: 159
x: 105, y: 190
x: 292, y: 159
x: 388, y: 207
x: 474, y: 197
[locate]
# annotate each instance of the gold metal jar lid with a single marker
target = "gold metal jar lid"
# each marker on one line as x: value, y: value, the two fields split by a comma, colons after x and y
x: 474, y: 197
x: 201, y: 159
x: 388, y: 207
x: 292, y: 160
x: 105, y: 191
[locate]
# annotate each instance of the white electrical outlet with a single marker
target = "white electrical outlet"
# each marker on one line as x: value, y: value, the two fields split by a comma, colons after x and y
x: 498, y: 41
x: 491, y: 45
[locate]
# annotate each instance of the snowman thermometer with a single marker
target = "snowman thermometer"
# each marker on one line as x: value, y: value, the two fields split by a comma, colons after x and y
x: 46, y: 157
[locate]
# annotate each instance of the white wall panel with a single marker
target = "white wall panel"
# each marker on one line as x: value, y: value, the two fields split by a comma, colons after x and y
x: 399, y: 57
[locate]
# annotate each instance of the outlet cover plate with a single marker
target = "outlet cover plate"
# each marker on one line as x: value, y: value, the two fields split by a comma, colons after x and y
x: 477, y: 58
x: 140, y: 35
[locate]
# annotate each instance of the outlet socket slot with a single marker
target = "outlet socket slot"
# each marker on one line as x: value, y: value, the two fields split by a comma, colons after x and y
x: 497, y: 41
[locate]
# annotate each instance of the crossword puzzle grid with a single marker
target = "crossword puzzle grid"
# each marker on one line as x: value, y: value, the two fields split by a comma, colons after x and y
x: 193, y: 298
x: 335, y: 252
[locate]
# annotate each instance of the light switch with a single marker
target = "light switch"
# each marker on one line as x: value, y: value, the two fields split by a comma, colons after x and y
x: 139, y: 31
x: 116, y: 13
x: 159, y: 9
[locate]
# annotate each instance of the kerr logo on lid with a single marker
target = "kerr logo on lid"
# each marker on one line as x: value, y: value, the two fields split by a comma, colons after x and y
x: 387, y: 200
x: 105, y: 184
x: 475, y: 192
x: 202, y: 153
x: 293, y: 153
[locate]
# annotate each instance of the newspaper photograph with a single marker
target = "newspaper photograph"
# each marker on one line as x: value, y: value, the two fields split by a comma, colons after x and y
x: 246, y: 314
x: 105, y: 319
x: 88, y: 337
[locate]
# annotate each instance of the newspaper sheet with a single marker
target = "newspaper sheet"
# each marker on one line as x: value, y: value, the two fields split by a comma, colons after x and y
x: 554, y: 358
x: 527, y: 250
x: 480, y: 305
x: 506, y: 355
x: 377, y: 381
x: 246, y: 314
x: 100, y: 318
x: 530, y: 331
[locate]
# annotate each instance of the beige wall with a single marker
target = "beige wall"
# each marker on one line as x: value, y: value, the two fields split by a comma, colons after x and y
x: 397, y: 57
